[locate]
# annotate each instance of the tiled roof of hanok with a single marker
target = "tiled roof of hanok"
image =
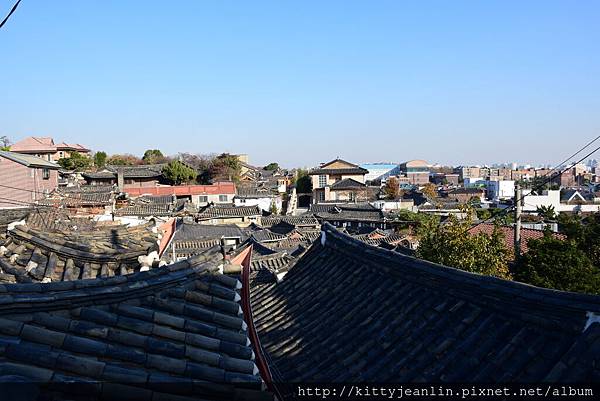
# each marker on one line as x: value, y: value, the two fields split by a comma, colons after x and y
x: 348, y: 212
x: 391, y: 239
x: 192, y: 231
x: 8, y: 216
x: 213, y: 212
x: 350, y: 168
x: 348, y: 312
x: 148, y: 205
x: 509, y: 235
x: 273, y: 262
x: 83, y: 197
x: 347, y: 183
x: 171, y: 333
x: 32, y: 255
x: 346, y: 171
x: 152, y: 209
x: 267, y: 236
x: 251, y: 192
x: 143, y: 171
x: 194, y: 239
x: 87, y: 189
x: 296, y: 221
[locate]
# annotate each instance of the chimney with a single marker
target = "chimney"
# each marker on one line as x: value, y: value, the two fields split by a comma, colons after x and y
x: 120, y: 179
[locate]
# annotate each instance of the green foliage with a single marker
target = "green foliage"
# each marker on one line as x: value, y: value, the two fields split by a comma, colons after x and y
x: 546, y: 212
x: 76, y: 161
x: 391, y: 189
x: 452, y: 245
x: 483, y: 214
x: 153, y: 156
x: 271, y: 167
x: 100, y: 159
x: 274, y: 209
x: 558, y: 264
x: 179, y: 173
x: 303, y: 182
x: 4, y: 143
x: 225, y: 167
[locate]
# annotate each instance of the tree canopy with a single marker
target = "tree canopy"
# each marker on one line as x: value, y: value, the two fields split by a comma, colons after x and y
x: 100, y: 159
x: 429, y: 190
x: 178, y: 173
x: 76, y: 161
x: 271, y: 167
x: 225, y: 167
x: 153, y: 156
x: 303, y: 182
x: 452, y: 245
x: 391, y: 190
x: 555, y: 263
x: 124, y: 160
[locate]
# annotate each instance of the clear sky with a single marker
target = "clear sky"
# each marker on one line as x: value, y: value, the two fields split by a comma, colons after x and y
x: 303, y: 82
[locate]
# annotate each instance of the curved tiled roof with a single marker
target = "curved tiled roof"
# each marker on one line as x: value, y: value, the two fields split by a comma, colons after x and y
x: 347, y: 183
x: 30, y: 255
x: 297, y: 221
x: 350, y: 312
x: 212, y: 212
x: 172, y: 333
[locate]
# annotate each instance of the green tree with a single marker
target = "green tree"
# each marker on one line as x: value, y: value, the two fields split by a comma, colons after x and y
x: 559, y: 264
x: 76, y: 161
x: 271, y: 167
x: 100, y: 159
x: 225, y: 167
x: 4, y: 143
x: 546, y: 212
x: 179, y: 173
x: 451, y: 244
x: 391, y: 190
x: 303, y: 182
x: 273, y: 208
x: 153, y: 156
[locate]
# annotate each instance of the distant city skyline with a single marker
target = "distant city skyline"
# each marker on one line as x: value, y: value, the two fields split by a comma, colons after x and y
x: 302, y: 83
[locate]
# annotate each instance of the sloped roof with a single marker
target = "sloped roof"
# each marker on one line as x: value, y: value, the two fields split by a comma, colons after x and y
x: 349, y: 312
x: 41, y: 255
x: 348, y: 212
x: 28, y: 160
x: 175, y: 333
x: 142, y: 171
x: 297, y: 221
x: 34, y: 144
x: 212, y: 212
x: 347, y: 183
x: 509, y: 235
x: 76, y: 147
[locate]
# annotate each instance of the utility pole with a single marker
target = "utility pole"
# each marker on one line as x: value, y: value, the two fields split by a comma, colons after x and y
x: 518, y: 202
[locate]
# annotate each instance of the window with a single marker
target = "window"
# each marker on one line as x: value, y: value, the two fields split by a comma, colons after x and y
x: 203, y: 199
x: 61, y: 154
x: 321, y: 195
x: 222, y: 198
x: 46, y: 174
x: 322, y: 180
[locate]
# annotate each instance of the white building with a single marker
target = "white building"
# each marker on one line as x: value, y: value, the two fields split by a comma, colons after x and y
x: 552, y: 198
x: 380, y: 171
x: 500, y: 189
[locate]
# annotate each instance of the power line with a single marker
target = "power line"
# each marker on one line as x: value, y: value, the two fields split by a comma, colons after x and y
x: 550, y: 178
x: 12, y: 10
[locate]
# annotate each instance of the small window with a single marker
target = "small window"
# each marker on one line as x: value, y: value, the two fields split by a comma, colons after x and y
x: 203, y: 199
x: 46, y: 174
x: 61, y: 154
x: 322, y: 180
x: 222, y: 198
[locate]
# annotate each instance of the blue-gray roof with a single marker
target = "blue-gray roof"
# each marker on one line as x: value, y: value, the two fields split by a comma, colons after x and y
x: 28, y: 160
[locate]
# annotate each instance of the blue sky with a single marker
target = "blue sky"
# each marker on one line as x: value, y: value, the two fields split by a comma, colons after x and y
x: 306, y: 81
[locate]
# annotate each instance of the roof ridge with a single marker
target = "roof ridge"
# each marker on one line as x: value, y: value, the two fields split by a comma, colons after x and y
x: 554, y: 301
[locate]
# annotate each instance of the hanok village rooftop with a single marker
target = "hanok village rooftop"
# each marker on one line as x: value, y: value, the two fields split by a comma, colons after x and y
x: 175, y: 293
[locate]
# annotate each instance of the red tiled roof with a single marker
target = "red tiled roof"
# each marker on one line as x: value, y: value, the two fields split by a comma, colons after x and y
x: 218, y: 188
x: 34, y: 144
x: 509, y: 235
